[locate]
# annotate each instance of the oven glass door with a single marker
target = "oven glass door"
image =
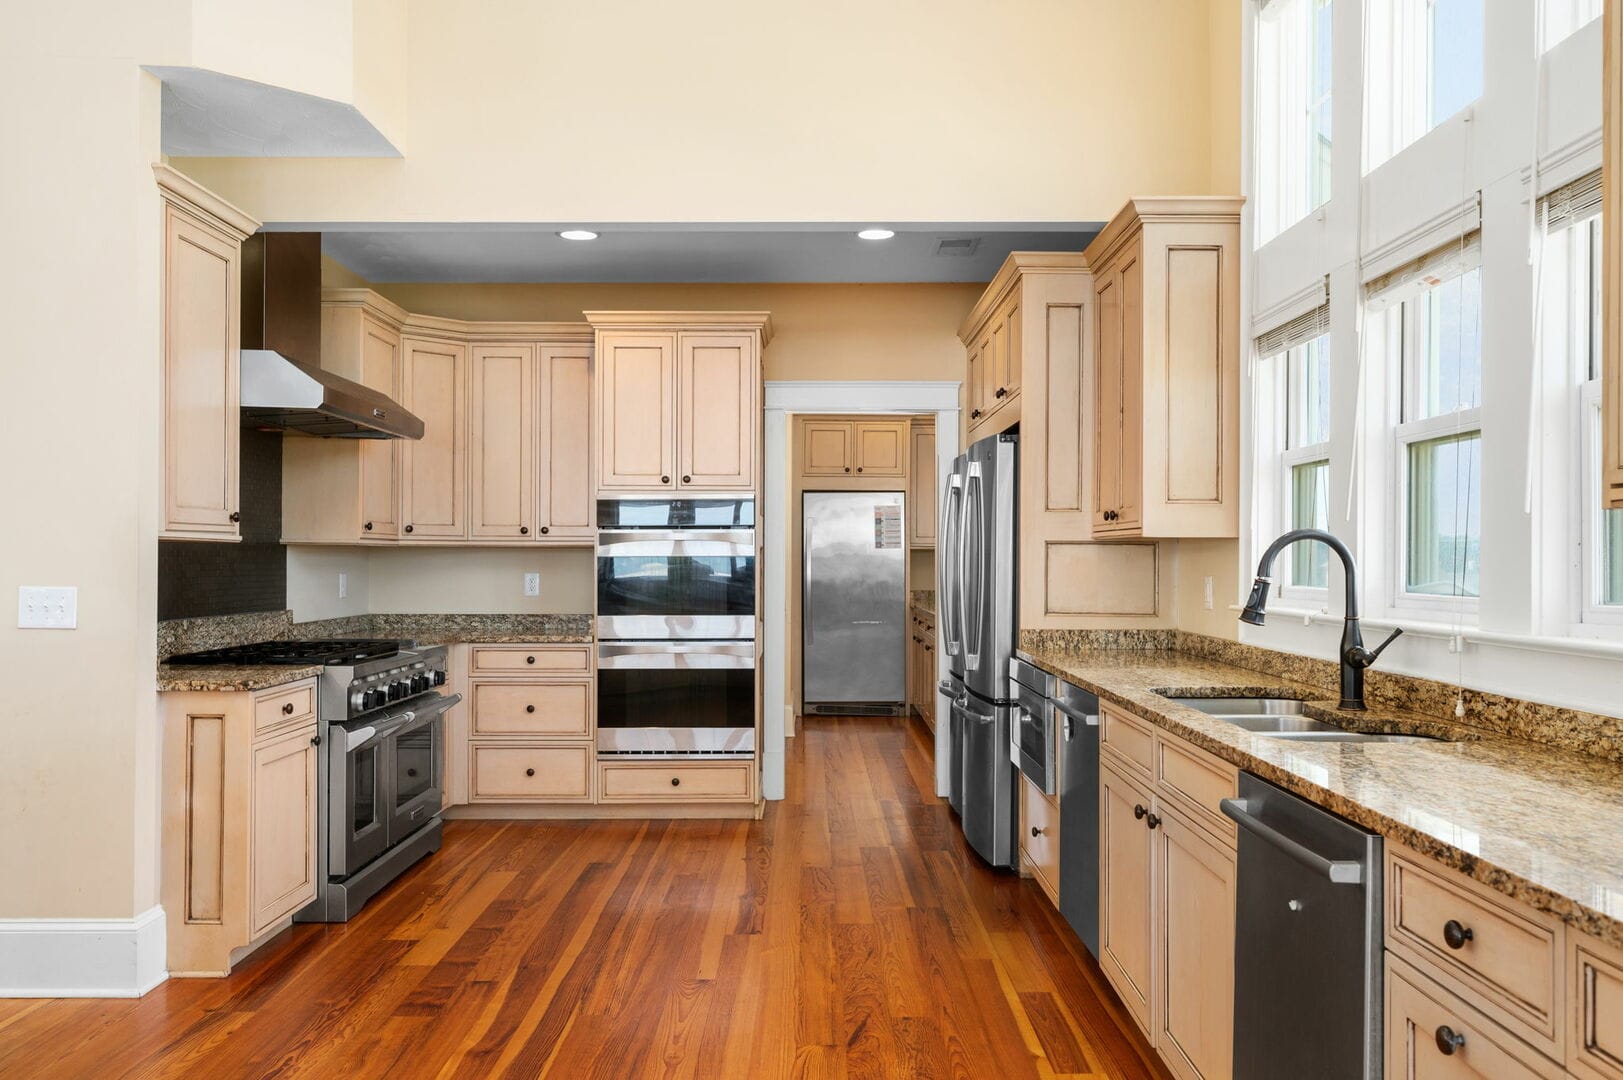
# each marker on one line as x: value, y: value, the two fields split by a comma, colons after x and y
x: 676, y: 685
x: 414, y: 757
x: 359, y: 827
x: 676, y: 578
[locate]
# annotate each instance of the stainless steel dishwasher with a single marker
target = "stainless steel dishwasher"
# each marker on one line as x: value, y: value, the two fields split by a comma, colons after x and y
x: 1077, y: 713
x: 1307, y: 948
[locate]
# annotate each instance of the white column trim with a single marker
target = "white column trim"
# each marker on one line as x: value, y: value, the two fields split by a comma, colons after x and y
x: 783, y: 399
x: 111, y: 958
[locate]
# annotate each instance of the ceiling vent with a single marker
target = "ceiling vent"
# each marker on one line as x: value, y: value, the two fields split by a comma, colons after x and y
x: 956, y: 247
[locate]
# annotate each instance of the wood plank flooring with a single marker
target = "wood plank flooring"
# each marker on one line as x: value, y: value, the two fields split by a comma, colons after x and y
x: 849, y: 933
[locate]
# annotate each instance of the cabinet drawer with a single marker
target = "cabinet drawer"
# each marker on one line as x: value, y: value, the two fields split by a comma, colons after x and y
x: 1130, y: 737
x: 529, y: 659
x: 1039, y: 837
x: 287, y: 705
x: 561, y: 709
x: 1198, y: 781
x: 531, y: 773
x: 1504, y: 958
x: 1423, y: 1019
x: 678, y: 782
x: 1596, y: 977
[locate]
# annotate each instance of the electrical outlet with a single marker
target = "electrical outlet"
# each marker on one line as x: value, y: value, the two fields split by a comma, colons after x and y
x: 343, y: 585
x: 1208, y: 594
x: 532, y: 584
x: 47, y: 607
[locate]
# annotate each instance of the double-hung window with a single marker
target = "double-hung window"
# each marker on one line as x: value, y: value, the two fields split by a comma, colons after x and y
x: 1423, y: 64
x: 1296, y: 360
x: 1562, y: 18
x: 1434, y: 331
x: 1292, y: 77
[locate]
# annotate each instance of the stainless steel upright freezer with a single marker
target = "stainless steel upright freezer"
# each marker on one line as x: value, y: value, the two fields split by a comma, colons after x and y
x: 853, y: 602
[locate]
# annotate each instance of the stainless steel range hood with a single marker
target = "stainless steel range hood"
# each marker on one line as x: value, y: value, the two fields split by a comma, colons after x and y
x: 283, y: 385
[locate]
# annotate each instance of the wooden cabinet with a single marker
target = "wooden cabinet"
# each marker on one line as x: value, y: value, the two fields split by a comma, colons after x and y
x: 923, y: 486
x: 870, y: 449
x: 921, y: 665
x: 529, y: 774
x: 434, y: 468
x: 239, y: 820
x: 565, y: 501
x: 1595, y: 992
x: 683, y: 781
x: 531, y: 724
x: 678, y: 400
x: 1126, y: 889
x: 501, y: 441
x: 826, y: 447
x: 992, y: 382
x: 1194, y: 980
x: 1432, y: 1033
x: 881, y: 447
x: 1167, y: 369
x: 1039, y: 838
x: 201, y: 328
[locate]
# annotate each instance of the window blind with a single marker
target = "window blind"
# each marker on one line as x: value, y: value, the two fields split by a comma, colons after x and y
x: 1298, y: 331
x: 1415, y: 276
x: 1571, y: 203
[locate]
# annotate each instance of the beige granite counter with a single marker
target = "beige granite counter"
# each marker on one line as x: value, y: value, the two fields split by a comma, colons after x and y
x: 231, y: 677
x: 1538, y: 823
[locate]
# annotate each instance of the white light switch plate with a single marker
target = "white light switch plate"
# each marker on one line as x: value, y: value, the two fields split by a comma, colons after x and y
x: 343, y: 585
x: 532, y: 584
x: 47, y: 607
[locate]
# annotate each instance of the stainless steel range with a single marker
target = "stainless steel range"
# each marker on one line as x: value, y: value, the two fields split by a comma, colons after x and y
x: 381, y: 754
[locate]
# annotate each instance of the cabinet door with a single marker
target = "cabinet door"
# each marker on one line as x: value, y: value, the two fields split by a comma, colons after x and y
x: 1008, y: 379
x: 380, y: 458
x: 921, y: 483
x: 501, y: 442
x: 1195, y: 991
x: 564, y: 460
x: 1129, y: 507
x: 201, y: 335
x: 1107, y: 398
x: 282, y: 850
x: 974, y: 361
x: 434, y: 468
x: 986, y: 377
x: 1431, y: 1034
x: 826, y: 447
x: 1126, y: 890
x: 716, y: 376
x: 881, y: 447
x: 637, y: 410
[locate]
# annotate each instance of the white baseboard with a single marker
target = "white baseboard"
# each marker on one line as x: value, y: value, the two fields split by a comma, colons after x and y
x: 112, y: 958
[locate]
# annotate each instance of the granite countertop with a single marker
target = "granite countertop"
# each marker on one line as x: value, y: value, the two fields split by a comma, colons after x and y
x: 1540, y: 824
x: 195, y: 677
x: 483, y: 629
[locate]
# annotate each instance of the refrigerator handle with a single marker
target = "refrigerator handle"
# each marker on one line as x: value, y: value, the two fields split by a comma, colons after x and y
x: 973, y: 580
x: 951, y: 574
x: 808, y: 625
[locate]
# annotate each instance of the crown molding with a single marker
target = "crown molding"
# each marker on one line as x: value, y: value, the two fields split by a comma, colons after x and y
x: 683, y: 320
x: 1008, y: 276
x: 181, y: 190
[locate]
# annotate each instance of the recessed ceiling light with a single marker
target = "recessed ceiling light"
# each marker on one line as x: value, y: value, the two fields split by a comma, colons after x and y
x: 578, y: 234
x: 876, y: 234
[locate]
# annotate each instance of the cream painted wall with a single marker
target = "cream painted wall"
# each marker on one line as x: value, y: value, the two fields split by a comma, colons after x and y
x: 735, y: 110
x: 440, y: 581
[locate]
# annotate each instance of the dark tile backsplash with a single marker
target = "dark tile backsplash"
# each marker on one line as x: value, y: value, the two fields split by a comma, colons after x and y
x: 202, y: 578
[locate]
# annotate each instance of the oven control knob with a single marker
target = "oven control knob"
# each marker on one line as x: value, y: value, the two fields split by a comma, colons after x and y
x: 397, y: 690
x: 439, y: 678
x: 419, y: 683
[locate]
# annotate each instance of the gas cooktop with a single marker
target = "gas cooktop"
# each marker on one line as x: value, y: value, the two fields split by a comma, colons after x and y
x: 347, y: 651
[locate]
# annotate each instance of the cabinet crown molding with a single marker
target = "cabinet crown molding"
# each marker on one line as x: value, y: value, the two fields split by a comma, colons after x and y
x: 1018, y: 264
x: 1155, y: 209
x: 683, y: 320
x: 180, y: 189
x: 457, y: 330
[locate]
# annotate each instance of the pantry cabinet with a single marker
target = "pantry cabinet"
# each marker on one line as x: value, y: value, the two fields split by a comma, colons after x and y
x: 678, y: 400
x: 433, y: 472
x: 201, y: 334
x: 1166, y: 367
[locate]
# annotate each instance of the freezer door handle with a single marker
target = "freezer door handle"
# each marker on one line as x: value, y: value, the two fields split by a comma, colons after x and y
x: 1340, y: 872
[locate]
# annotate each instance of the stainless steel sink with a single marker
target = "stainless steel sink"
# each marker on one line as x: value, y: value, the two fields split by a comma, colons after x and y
x: 1282, y: 718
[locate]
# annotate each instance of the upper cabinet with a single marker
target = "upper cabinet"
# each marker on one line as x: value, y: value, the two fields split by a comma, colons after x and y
x: 870, y: 449
x: 502, y: 441
x: 201, y: 325
x: 678, y: 400
x: 922, y: 485
x: 433, y: 472
x: 992, y: 335
x: 564, y: 497
x: 1167, y: 369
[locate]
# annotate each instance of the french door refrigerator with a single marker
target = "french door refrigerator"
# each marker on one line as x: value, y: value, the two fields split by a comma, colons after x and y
x: 977, y: 548
x: 853, y: 603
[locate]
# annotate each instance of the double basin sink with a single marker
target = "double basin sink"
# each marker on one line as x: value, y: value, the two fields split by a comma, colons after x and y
x: 1285, y: 718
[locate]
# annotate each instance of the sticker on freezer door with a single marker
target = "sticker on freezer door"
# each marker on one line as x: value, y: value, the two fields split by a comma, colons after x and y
x: 887, y: 527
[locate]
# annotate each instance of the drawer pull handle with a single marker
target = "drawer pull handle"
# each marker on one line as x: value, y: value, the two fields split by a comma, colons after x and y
x: 529, y: 772
x: 676, y: 781
x: 1456, y: 935
x: 287, y: 710
x: 529, y: 659
x: 529, y: 708
x: 1449, y: 1041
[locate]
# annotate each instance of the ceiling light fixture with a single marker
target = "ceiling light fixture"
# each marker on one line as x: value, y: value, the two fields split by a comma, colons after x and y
x: 578, y: 234
x: 876, y: 234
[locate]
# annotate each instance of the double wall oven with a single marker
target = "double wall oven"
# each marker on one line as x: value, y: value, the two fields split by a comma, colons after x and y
x: 676, y: 652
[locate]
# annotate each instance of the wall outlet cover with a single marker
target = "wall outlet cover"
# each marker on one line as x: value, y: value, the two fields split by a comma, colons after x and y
x: 47, y: 607
x: 532, y: 584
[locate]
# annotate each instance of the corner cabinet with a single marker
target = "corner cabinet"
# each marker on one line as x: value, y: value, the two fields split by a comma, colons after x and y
x: 1166, y: 418
x: 201, y: 327
x: 678, y: 400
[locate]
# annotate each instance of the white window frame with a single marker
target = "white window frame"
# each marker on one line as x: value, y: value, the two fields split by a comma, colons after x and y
x: 1285, y: 150
x: 1398, y: 103
x: 1292, y: 416
x: 1593, y: 615
x: 1563, y: 18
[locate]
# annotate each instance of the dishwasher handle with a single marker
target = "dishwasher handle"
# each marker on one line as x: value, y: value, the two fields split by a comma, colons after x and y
x: 1340, y: 872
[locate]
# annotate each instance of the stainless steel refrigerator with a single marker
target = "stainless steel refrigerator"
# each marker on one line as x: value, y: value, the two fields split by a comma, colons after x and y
x: 853, y: 602
x: 977, y: 548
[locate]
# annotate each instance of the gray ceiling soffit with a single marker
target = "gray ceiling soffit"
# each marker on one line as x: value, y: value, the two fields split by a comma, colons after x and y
x: 207, y: 114
x: 694, y: 253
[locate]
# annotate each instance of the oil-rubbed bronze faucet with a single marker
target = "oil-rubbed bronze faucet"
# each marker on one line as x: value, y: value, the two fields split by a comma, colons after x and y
x: 1354, y: 657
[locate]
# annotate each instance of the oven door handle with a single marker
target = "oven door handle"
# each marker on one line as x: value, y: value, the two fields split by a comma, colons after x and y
x: 686, y: 655
x: 410, y: 719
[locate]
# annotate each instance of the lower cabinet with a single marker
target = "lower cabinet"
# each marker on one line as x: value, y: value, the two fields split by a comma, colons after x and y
x: 1126, y: 888
x: 239, y: 820
x: 1194, y: 993
x: 921, y: 678
x: 1039, y: 838
x: 677, y: 781
x: 531, y: 729
x: 1431, y: 1032
x: 530, y: 773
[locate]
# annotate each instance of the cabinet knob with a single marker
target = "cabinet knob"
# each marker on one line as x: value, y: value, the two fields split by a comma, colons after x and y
x: 235, y: 517
x: 974, y: 414
x: 1153, y: 820
x: 664, y: 479
x: 287, y: 709
x: 929, y: 648
x: 367, y: 526
x: 544, y: 530
x: 676, y: 781
x: 687, y: 479
x: 529, y: 708
x: 1456, y: 935
x: 859, y: 468
x: 315, y: 740
x: 411, y: 772
x: 529, y: 772
x: 1449, y: 1040
x: 409, y: 528
x: 1001, y: 391
x: 529, y: 659
x: 524, y: 530
x: 1036, y: 832
x: 1139, y: 812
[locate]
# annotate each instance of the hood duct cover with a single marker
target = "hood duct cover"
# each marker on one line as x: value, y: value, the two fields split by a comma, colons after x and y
x: 283, y: 384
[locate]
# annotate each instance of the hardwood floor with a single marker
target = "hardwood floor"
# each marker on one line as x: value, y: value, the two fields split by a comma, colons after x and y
x: 850, y: 932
